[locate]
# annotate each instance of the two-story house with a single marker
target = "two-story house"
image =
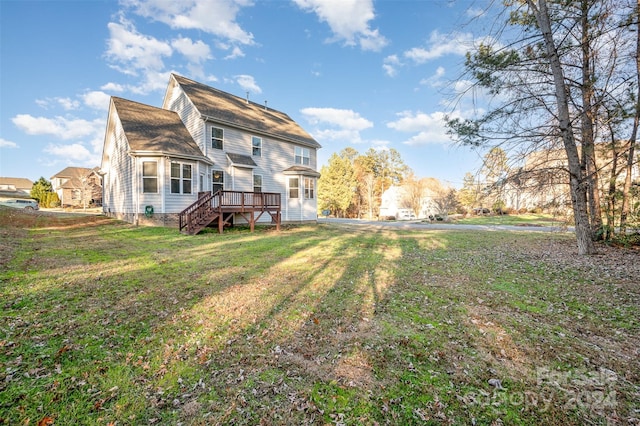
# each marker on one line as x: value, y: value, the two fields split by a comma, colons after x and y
x: 78, y: 186
x: 157, y: 162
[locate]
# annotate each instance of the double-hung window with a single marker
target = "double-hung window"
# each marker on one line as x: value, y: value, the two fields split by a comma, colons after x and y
x: 257, y: 183
x: 181, y: 178
x: 302, y: 156
x: 294, y: 187
x: 149, y: 176
x: 256, y: 146
x: 217, y: 138
x: 309, y: 188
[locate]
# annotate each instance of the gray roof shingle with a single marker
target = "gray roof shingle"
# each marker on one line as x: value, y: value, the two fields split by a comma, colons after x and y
x: 151, y: 129
x: 235, y: 111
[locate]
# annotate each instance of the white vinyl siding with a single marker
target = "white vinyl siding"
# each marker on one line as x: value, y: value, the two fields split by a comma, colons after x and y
x: 118, y: 196
x: 275, y: 156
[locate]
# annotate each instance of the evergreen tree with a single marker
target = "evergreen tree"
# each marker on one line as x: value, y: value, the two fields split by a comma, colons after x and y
x: 336, y: 185
x: 40, y: 190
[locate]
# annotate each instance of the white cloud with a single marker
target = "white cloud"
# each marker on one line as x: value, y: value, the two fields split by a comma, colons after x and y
x: 66, y: 103
x: 113, y: 87
x: 195, y: 52
x: 343, y: 118
x: 248, y: 83
x: 7, y: 144
x: 131, y: 51
x: 475, y: 12
x: 428, y: 128
x: 391, y: 65
x: 75, y: 153
x: 348, y: 20
x: 59, y: 127
x: 213, y: 17
x: 436, y: 79
x: 96, y: 100
x: 336, y: 124
x: 441, y: 45
x: 236, y: 52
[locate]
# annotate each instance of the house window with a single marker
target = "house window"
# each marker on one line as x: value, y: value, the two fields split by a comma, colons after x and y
x: 302, y: 156
x: 180, y: 178
x: 256, y: 146
x: 294, y: 187
x: 257, y: 183
x: 309, y: 188
x: 217, y: 137
x: 149, y: 176
x: 217, y: 181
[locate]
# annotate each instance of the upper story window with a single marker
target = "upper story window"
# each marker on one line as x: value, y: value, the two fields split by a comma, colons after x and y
x: 302, y: 156
x: 257, y: 183
x: 309, y: 188
x: 149, y: 176
x: 256, y: 146
x: 180, y: 178
x: 217, y: 181
x: 217, y: 138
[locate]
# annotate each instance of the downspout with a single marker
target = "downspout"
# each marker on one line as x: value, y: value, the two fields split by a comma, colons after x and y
x: 161, y: 186
x: 135, y: 191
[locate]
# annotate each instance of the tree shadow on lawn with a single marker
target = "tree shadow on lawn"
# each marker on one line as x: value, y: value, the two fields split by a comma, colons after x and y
x: 310, y: 325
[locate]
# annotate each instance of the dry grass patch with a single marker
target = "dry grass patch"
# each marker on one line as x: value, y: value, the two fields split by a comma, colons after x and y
x: 109, y: 323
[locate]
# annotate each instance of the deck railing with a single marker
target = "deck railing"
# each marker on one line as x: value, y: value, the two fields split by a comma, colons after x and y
x: 211, y: 205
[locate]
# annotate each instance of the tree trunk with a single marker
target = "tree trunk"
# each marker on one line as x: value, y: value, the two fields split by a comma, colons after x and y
x: 576, y: 178
x: 588, y: 144
x: 626, y: 190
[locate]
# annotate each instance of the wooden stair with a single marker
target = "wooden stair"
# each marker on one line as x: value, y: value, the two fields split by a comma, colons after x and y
x: 223, y: 205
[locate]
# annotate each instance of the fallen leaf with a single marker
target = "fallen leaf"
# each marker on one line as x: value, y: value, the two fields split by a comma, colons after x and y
x: 45, y: 421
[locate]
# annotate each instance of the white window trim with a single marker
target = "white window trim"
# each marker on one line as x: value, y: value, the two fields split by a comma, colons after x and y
x: 156, y: 177
x: 302, y: 151
x: 253, y: 146
x: 211, y: 137
x: 180, y: 178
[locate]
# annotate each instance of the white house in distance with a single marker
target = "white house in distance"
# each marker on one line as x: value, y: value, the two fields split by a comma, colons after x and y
x: 393, y: 203
x: 157, y: 162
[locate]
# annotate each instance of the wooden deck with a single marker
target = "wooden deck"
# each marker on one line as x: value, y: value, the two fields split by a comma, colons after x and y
x: 223, y: 205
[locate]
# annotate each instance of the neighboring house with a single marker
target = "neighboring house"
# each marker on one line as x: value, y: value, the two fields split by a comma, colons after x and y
x: 543, y: 181
x: 78, y: 187
x: 15, y: 187
x: 393, y: 203
x: 156, y: 162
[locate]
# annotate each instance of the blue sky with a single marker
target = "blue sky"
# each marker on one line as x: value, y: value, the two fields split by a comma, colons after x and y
x: 357, y: 73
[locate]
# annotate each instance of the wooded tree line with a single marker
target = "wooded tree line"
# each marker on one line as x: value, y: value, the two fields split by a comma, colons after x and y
x: 351, y: 184
x: 564, y: 74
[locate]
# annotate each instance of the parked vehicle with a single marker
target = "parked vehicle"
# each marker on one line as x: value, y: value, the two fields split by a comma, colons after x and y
x: 20, y: 203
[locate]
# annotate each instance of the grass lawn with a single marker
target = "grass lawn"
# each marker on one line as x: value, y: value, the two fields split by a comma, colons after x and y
x: 103, y: 323
x: 529, y: 219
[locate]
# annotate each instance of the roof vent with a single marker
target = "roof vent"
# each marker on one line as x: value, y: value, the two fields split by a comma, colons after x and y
x: 247, y: 98
x: 265, y: 105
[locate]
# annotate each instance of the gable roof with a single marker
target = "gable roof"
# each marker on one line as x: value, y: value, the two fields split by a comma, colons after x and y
x: 155, y: 130
x: 225, y: 108
x: 72, y: 172
x: 20, y: 183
